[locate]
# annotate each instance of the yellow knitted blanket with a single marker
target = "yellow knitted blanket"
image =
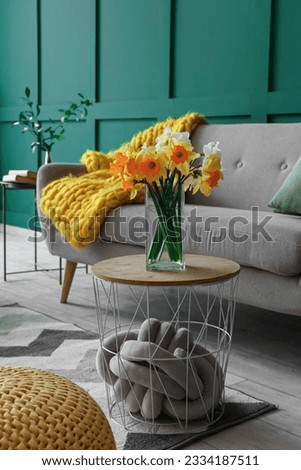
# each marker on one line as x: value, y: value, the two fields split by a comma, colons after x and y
x: 78, y: 205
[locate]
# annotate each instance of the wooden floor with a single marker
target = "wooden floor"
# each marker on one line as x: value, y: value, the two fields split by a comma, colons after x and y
x: 265, y: 359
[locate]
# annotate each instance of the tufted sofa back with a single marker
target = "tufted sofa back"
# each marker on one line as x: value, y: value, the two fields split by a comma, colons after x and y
x: 256, y: 160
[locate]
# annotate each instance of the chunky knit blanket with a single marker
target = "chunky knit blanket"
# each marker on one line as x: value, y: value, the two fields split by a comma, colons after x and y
x: 78, y: 205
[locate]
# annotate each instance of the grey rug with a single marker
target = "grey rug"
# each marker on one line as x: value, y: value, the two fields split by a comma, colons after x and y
x: 30, y: 339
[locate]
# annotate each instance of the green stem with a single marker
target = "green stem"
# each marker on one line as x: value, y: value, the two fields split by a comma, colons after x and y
x: 168, y: 232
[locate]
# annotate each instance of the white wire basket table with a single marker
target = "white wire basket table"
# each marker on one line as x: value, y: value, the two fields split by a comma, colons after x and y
x: 165, y: 340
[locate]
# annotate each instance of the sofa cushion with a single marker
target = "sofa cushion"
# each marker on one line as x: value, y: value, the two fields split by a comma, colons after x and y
x: 126, y: 224
x: 288, y: 197
x: 263, y: 240
x: 257, y: 158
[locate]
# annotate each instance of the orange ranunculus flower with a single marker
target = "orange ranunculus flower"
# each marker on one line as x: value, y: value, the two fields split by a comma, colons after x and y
x: 179, y: 154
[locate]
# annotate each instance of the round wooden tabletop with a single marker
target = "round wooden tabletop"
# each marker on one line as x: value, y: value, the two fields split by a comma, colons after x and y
x: 199, y: 270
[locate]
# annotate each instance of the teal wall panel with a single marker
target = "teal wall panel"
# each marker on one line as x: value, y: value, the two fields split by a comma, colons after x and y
x: 132, y: 46
x: 113, y: 133
x: 18, y: 49
x: 20, y: 207
x: 286, y: 46
x: 15, y: 150
x: 286, y: 118
x: 142, y: 61
x: 210, y: 57
x: 229, y: 119
x: 15, y: 153
x: 66, y: 50
x: 79, y: 137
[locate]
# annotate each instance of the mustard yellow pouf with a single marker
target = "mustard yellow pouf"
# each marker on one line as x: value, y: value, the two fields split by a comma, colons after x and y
x: 41, y: 410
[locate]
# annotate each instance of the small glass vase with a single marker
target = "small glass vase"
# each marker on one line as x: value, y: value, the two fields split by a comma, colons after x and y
x: 164, y: 210
x: 47, y: 157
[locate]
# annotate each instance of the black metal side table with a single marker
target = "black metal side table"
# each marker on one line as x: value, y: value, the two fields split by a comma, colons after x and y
x: 8, y: 186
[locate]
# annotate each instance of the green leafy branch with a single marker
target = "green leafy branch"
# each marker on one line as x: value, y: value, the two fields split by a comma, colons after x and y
x: 46, y: 137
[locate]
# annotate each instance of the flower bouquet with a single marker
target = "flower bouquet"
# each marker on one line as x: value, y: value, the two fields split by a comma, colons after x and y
x: 168, y: 169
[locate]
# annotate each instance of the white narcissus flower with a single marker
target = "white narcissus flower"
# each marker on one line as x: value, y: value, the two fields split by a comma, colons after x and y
x: 181, y: 136
x: 211, y: 149
x: 168, y: 135
x: 161, y: 139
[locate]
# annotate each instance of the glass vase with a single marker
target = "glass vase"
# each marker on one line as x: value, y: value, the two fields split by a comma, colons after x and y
x: 164, y: 210
x: 47, y: 157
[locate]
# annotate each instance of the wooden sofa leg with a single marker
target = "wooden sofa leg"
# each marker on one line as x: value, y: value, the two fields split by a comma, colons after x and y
x: 68, y: 278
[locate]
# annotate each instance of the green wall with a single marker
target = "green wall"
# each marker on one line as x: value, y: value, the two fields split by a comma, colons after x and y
x: 141, y: 61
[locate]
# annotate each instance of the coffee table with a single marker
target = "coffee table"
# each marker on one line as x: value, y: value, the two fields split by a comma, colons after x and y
x: 165, y: 340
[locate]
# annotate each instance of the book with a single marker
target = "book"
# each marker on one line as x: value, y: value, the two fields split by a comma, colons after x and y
x: 29, y: 173
x: 19, y: 179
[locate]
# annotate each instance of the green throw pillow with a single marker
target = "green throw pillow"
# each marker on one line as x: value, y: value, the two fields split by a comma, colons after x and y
x: 288, y: 198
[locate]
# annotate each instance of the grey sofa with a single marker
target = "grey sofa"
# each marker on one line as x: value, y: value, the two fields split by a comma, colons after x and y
x: 235, y: 222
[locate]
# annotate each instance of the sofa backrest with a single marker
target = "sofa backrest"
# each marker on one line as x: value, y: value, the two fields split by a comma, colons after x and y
x: 256, y: 160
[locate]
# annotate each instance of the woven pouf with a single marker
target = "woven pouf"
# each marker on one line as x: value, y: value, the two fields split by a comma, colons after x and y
x: 41, y: 410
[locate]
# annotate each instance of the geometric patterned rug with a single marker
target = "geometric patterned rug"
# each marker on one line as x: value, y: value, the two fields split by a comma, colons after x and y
x: 31, y: 339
